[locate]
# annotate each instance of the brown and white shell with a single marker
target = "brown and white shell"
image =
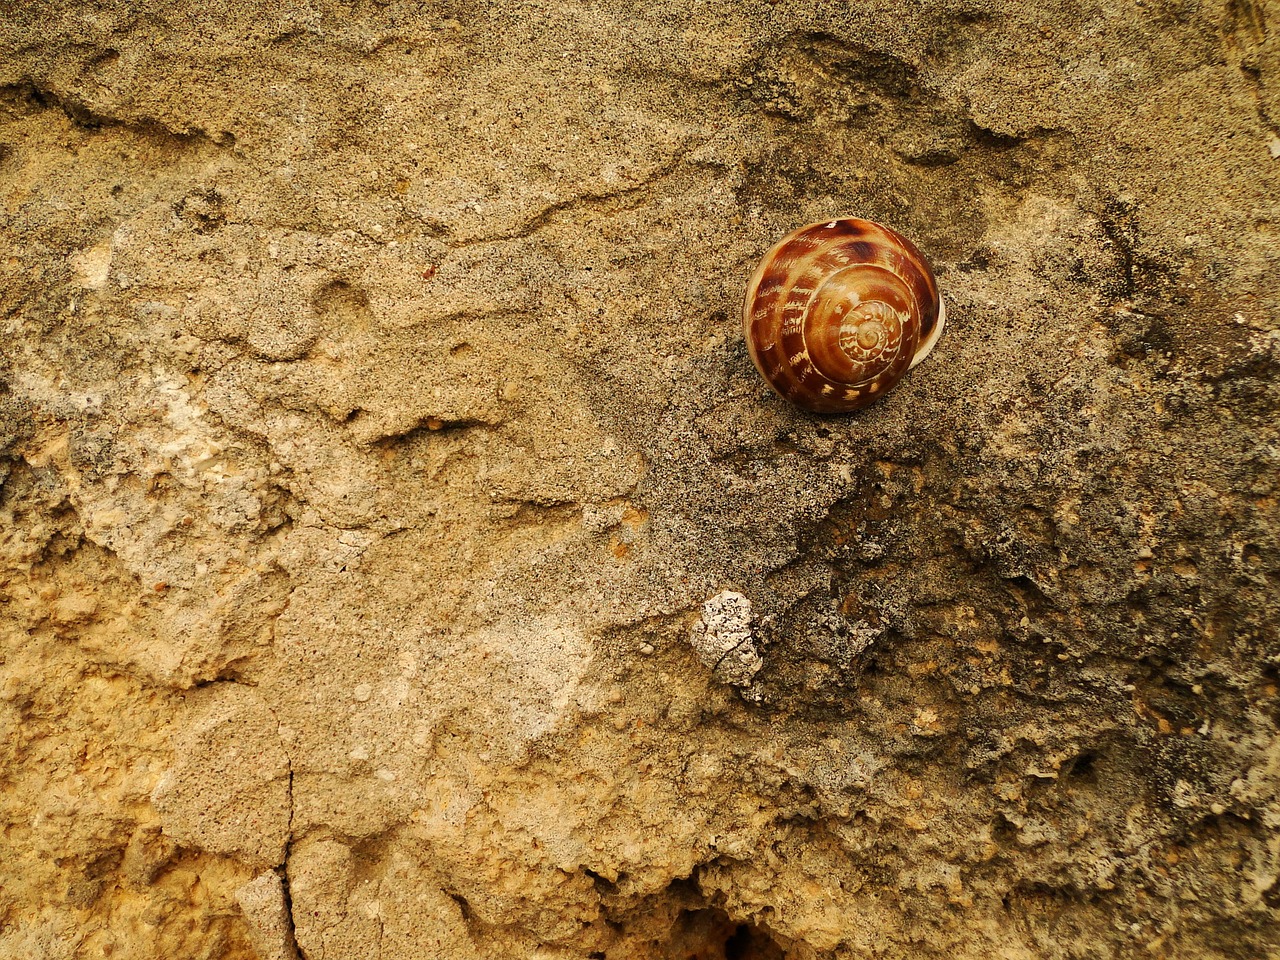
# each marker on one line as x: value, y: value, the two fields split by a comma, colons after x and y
x: 838, y: 311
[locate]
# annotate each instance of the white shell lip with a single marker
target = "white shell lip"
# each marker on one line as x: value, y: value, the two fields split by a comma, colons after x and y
x: 926, y: 348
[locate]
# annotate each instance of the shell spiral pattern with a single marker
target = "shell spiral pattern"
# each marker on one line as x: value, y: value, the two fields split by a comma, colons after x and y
x: 838, y: 311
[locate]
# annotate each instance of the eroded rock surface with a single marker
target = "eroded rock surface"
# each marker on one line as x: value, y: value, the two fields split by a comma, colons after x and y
x: 375, y: 426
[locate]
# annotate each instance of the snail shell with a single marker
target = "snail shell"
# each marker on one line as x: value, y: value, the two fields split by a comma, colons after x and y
x: 838, y: 311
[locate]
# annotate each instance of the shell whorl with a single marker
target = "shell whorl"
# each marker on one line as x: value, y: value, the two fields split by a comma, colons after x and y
x: 838, y: 311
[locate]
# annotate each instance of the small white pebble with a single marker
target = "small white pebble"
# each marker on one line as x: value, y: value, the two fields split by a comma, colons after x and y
x: 723, y: 641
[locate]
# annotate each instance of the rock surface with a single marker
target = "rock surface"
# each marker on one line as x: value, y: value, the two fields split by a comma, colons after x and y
x: 723, y: 641
x: 375, y: 424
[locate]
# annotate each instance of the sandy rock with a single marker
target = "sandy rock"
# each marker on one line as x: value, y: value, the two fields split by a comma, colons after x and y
x: 229, y: 788
x: 375, y: 424
x: 266, y: 910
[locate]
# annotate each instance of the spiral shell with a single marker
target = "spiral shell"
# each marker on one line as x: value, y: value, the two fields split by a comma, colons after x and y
x: 838, y: 311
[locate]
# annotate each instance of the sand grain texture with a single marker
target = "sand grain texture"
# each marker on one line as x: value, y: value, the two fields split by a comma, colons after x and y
x: 375, y: 425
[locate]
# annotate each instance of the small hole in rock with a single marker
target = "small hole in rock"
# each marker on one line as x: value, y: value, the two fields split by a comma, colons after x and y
x: 712, y: 935
x: 1083, y: 766
x: 603, y: 885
